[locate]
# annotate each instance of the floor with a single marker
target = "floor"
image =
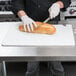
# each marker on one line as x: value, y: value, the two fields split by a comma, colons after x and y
x: 17, y: 69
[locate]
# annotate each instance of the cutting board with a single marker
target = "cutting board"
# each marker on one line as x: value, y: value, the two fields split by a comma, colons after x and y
x: 63, y: 37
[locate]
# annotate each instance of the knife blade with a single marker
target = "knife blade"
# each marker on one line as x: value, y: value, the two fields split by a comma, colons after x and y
x: 60, y: 22
x: 45, y: 21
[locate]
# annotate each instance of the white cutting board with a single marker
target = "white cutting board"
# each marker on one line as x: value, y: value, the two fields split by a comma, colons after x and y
x: 63, y: 37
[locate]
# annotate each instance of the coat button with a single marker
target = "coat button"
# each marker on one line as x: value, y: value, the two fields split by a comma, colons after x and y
x: 39, y: 6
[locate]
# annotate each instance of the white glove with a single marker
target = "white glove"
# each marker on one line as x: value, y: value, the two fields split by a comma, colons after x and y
x: 54, y: 10
x: 27, y: 21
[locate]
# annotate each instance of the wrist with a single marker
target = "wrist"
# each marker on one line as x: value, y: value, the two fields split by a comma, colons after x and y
x: 21, y: 13
x: 60, y: 4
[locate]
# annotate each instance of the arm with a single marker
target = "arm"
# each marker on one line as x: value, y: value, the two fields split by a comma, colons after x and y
x: 61, y: 4
x: 54, y: 10
x: 21, y: 13
x: 18, y: 7
x: 19, y: 10
x: 64, y: 3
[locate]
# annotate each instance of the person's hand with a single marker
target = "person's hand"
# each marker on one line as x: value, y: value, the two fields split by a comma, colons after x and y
x: 28, y: 22
x: 54, y: 10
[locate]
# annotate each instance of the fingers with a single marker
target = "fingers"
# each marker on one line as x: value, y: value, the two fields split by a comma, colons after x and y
x: 53, y: 15
x: 30, y: 26
x: 54, y: 10
x: 35, y: 24
x: 25, y: 28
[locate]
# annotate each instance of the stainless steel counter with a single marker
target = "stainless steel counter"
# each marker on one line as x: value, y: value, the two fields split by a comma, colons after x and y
x: 36, y: 53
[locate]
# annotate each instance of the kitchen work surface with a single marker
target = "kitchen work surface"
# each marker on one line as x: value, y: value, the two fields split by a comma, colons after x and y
x: 56, y: 53
x: 63, y: 37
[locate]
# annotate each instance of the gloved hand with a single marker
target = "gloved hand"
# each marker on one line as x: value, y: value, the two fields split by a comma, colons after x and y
x: 54, y: 10
x: 27, y: 21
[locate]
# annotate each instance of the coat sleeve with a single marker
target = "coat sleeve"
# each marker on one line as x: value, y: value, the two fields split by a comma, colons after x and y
x: 17, y: 5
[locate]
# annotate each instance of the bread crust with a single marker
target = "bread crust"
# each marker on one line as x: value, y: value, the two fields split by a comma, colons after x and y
x: 42, y: 28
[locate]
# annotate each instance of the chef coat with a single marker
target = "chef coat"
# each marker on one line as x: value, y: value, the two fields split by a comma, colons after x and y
x: 36, y: 9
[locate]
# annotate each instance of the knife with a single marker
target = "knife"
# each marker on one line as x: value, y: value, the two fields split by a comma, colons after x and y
x: 60, y: 22
x: 47, y: 20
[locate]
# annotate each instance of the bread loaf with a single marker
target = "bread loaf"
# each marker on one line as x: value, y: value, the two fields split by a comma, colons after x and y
x: 42, y: 28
